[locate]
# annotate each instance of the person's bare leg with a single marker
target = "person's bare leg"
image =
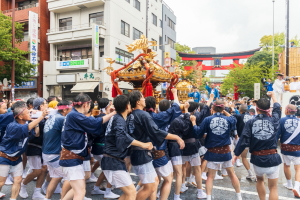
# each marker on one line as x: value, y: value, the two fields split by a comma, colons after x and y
x: 197, y: 173
x: 287, y: 171
x: 24, y: 160
x: 41, y: 178
x: 245, y: 160
x: 178, y: 174
x: 203, y: 165
x: 184, y: 166
x: 78, y: 188
x: 65, y: 188
x: 100, y: 179
x: 16, y: 187
x: 129, y: 193
x: 297, y: 172
x: 51, y: 187
x: 260, y: 187
x: 32, y: 175
x: 187, y: 172
x: 234, y: 180
x: 2, y: 181
x: 87, y: 175
x: 272, y: 184
x: 210, y: 180
x: 166, y: 187
x: 147, y: 190
x: 128, y: 163
x: 95, y: 166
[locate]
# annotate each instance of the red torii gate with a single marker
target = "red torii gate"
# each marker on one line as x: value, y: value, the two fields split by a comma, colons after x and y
x: 218, y: 57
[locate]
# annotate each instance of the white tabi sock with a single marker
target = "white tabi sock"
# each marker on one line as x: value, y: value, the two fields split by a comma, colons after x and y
x: 22, y: 185
x: 183, y: 185
x: 176, y: 196
x: 250, y: 172
x: 107, y: 190
x: 239, y: 196
x: 289, y: 183
x: 203, y: 173
x: 187, y: 179
x: 12, y: 199
x: 96, y: 187
x: 199, y: 190
x: 297, y: 185
x: 37, y: 189
x: 47, y: 199
x: 192, y: 178
x: 208, y: 197
x: 137, y: 188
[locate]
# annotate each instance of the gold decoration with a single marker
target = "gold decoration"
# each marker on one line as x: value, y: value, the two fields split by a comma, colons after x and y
x: 141, y: 44
x: 109, y: 69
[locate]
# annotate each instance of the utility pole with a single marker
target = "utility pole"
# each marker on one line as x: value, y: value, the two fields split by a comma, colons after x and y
x: 287, y: 45
x: 12, y: 94
x: 273, y: 53
x: 147, y: 16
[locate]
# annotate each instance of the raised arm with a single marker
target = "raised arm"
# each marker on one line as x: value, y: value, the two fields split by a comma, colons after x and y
x: 34, y: 123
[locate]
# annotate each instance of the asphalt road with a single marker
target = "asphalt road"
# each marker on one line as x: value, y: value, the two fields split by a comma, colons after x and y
x: 222, y: 188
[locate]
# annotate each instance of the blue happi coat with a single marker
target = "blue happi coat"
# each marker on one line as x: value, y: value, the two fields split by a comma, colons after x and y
x: 74, y: 135
x: 260, y: 133
x: 287, y: 127
x: 218, y: 128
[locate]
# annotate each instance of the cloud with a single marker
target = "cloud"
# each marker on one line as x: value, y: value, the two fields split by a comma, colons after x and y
x: 231, y: 25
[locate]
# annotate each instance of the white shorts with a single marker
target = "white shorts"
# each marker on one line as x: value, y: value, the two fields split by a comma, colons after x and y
x: 13, y: 170
x: 271, y: 172
x: 202, y: 151
x: 219, y: 165
x: 290, y: 159
x: 194, y: 160
x: 74, y: 173
x: 87, y: 165
x: 146, y: 172
x: 177, y: 160
x: 98, y: 158
x: 34, y: 162
x: 119, y: 178
x: 55, y: 170
x: 165, y: 170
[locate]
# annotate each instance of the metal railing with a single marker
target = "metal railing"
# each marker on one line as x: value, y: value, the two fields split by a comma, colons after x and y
x: 22, y: 8
x: 74, y: 27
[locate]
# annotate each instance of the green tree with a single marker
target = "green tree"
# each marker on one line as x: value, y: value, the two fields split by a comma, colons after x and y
x: 266, y: 42
x: 22, y: 66
x: 244, y: 78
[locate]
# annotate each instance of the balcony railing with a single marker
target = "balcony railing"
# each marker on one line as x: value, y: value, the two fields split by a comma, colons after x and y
x: 74, y: 27
x: 22, y: 8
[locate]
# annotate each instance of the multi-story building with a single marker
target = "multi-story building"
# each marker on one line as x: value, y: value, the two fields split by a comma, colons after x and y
x: 83, y: 33
x: 34, y: 87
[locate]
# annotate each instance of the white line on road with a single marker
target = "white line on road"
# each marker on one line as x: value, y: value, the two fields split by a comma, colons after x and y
x: 248, y: 192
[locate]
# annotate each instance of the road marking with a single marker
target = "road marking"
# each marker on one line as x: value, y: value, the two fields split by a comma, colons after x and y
x: 249, y: 192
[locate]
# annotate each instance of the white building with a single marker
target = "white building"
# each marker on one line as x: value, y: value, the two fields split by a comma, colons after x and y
x: 75, y: 65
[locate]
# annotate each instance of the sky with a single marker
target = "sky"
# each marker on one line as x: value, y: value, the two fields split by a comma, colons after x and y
x: 231, y: 25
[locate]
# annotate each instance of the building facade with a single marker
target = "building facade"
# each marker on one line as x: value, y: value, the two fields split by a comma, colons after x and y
x: 34, y: 87
x: 83, y: 33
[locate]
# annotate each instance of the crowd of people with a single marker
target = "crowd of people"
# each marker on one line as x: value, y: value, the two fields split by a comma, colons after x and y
x: 63, y: 143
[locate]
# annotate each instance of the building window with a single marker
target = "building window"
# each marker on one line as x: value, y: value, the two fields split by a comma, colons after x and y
x: 65, y: 24
x: 137, y: 5
x: 136, y: 34
x: 160, y: 42
x: 154, y: 19
x: 128, y: 1
x: 171, y: 43
x: 27, y: 4
x: 124, y: 28
x: 75, y: 54
x: 96, y: 18
x: 25, y: 38
x: 154, y: 47
x: 122, y: 56
x: 160, y: 23
x: 171, y: 24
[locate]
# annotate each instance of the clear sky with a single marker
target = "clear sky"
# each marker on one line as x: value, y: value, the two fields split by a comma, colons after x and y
x: 231, y: 25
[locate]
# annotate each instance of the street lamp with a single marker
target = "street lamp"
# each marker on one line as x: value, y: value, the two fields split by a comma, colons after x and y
x: 273, y: 53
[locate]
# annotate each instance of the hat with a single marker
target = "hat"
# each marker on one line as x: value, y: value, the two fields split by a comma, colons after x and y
x: 37, y: 102
x: 53, y: 104
x: 295, y: 77
x: 280, y: 74
x: 255, y: 100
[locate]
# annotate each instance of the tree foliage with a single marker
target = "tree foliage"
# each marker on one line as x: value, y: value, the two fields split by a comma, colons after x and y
x: 266, y: 42
x: 22, y: 66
